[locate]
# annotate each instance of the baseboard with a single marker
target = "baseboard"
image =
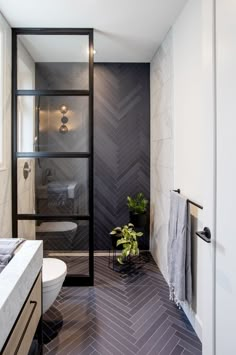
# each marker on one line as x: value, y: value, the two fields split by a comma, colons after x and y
x: 193, y: 319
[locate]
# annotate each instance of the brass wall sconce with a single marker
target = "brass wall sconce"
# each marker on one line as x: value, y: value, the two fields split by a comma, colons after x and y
x: 63, y: 128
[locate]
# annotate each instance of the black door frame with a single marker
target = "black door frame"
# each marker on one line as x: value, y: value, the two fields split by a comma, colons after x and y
x: 71, y: 280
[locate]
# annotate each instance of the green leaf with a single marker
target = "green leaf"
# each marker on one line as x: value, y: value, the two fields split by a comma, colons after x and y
x: 117, y: 229
x: 139, y: 234
x: 138, y: 204
x: 120, y: 259
x: 113, y: 232
x: 121, y: 241
x: 125, y: 252
x: 127, y: 246
x: 131, y: 225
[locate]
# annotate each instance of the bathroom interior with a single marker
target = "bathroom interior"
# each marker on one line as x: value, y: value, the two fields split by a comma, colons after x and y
x: 93, y: 110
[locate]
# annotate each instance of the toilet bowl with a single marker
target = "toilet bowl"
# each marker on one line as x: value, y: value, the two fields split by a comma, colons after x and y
x: 53, y: 275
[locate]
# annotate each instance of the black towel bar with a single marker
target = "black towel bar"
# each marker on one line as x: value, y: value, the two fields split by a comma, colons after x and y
x: 206, y: 233
x: 190, y: 201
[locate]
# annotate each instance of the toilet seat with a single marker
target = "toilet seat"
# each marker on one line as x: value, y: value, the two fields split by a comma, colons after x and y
x: 49, y: 227
x: 53, y: 270
x: 57, y: 235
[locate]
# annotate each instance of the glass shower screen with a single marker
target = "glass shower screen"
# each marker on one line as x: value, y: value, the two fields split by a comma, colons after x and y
x: 53, y: 144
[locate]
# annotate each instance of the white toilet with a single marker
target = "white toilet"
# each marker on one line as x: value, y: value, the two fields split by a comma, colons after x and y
x: 53, y: 275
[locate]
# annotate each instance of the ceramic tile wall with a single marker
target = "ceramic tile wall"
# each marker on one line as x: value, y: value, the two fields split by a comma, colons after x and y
x: 5, y: 170
x: 162, y: 154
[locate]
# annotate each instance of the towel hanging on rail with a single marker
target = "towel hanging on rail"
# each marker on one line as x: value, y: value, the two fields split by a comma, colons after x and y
x: 179, y: 250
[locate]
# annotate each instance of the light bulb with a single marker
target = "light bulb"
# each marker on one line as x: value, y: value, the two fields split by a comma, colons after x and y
x: 63, y: 109
x: 63, y: 129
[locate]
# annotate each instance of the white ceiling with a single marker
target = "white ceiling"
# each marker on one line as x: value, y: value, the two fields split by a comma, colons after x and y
x: 56, y: 48
x: 125, y: 30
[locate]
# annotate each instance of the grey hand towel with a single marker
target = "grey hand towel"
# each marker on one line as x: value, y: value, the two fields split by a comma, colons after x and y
x: 179, y: 250
x: 7, y: 248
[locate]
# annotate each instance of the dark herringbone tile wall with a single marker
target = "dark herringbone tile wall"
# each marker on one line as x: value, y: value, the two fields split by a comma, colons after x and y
x: 119, y: 316
x: 121, y: 138
x: 121, y: 143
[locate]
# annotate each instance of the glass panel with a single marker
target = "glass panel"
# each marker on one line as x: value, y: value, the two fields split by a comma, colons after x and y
x: 54, y: 186
x: 53, y: 124
x: 53, y: 62
x: 65, y: 240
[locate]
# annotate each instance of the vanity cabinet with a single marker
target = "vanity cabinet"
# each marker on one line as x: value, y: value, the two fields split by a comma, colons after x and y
x: 24, y: 329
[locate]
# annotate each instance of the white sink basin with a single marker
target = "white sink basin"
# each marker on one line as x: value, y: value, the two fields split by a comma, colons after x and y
x: 69, y: 186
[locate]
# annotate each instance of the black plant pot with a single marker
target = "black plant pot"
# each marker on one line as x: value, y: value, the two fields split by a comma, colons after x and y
x: 114, y: 238
x: 138, y: 220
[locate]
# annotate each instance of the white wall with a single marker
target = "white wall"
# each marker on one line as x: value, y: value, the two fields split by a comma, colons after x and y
x: 188, y: 127
x: 226, y: 177
x: 194, y: 153
x: 162, y: 169
x: 5, y: 171
x: 184, y: 158
x: 176, y: 73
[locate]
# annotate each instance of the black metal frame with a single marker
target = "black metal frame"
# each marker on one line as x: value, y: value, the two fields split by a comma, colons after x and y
x: 71, y: 280
x: 190, y: 201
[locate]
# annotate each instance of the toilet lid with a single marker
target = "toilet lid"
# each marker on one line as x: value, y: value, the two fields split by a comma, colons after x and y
x: 53, y: 269
x: 48, y: 227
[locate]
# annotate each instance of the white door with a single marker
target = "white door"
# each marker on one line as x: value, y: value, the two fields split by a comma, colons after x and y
x: 225, y: 315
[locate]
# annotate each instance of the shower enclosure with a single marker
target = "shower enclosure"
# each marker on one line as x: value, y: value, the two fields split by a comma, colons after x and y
x: 52, y: 140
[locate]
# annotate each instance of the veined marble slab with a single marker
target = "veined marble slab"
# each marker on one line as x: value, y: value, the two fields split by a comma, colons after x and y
x: 16, y: 281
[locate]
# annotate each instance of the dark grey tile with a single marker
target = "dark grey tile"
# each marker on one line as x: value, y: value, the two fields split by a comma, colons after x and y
x: 170, y: 345
x: 178, y: 350
x: 162, y: 341
x: 190, y: 348
x: 191, y: 341
x: 118, y: 316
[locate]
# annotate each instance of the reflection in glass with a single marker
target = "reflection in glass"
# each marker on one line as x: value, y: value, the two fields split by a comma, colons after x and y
x: 65, y: 240
x: 55, y: 186
x: 40, y: 119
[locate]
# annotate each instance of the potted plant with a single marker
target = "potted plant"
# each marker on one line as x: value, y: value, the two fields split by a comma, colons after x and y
x: 138, y: 210
x: 127, y: 237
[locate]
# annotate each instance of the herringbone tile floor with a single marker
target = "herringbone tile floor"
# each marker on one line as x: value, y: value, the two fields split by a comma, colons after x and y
x: 120, y: 315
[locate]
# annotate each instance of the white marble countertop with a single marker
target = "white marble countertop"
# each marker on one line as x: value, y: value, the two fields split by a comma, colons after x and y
x: 16, y: 281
